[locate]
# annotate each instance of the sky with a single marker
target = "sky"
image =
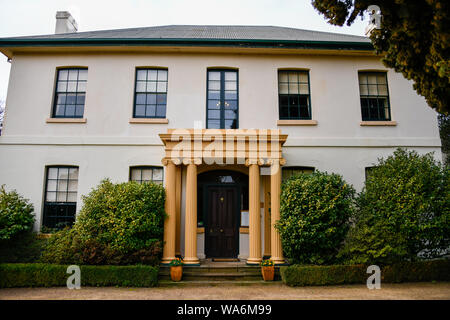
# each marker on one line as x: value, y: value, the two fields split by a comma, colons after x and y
x: 35, y: 17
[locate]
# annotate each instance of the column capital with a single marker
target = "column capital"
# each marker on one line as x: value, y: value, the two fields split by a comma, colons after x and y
x: 166, y: 160
x: 250, y: 161
x: 278, y: 161
x: 196, y: 161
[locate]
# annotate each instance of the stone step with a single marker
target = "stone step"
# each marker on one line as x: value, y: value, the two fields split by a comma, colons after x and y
x: 212, y: 283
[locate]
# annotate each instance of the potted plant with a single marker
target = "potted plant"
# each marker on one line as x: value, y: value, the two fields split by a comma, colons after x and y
x: 267, y: 270
x: 176, y: 269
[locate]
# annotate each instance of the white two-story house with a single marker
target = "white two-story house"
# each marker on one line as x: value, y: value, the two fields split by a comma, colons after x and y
x: 219, y: 114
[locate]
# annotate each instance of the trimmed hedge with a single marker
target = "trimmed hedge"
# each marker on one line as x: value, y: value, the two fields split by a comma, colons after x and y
x: 296, y: 275
x: 51, y: 275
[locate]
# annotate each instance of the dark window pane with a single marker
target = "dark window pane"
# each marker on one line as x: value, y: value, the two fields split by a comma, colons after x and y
x: 284, y: 112
x: 213, y: 124
x: 230, y: 124
x: 214, y: 95
x: 140, y: 98
x: 61, y: 98
x: 230, y: 95
x: 71, y: 99
x: 294, y: 112
x: 161, y: 99
x: 161, y: 111
x: 70, y: 110
x: 213, y: 104
x: 214, y: 114
x: 140, y: 110
x: 80, y: 98
x: 231, y: 104
x: 150, y: 110
x: 304, y: 112
x: 230, y: 114
x: 79, y: 110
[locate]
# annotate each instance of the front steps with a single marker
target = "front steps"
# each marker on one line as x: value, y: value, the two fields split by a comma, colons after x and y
x: 213, y: 273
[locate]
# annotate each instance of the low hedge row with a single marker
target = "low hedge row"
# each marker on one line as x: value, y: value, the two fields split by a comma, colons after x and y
x: 297, y: 275
x: 52, y: 275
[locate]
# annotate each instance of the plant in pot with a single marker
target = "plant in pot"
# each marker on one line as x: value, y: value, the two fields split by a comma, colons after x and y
x: 176, y: 269
x: 267, y: 270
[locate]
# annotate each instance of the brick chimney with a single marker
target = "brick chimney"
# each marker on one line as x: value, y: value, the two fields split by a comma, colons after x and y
x: 65, y: 23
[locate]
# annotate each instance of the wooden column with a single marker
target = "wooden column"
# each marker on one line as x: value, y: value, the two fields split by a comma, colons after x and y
x: 267, y: 221
x: 190, y: 243
x: 170, y: 206
x: 254, y: 216
x: 275, y: 191
x: 178, y: 211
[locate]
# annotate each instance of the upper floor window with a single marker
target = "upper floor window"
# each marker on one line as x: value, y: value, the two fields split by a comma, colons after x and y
x: 288, y: 172
x: 373, y: 90
x: 146, y: 174
x: 222, y: 100
x: 150, y: 97
x: 60, y: 196
x: 70, y: 93
x: 294, y: 95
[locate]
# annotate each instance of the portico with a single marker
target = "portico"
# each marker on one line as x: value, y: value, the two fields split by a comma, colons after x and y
x: 256, y: 153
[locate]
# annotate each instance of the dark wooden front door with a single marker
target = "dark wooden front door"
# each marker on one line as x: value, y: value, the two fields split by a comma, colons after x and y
x: 222, y: 222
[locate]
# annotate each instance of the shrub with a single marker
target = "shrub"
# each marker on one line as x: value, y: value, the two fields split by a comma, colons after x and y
x: 16, y: 215
x: 297, y: 275
x: 24, y: 248
x: 118, y: 224
x: 314, y: 217
x: 403, y: 212
x: 50, y: 275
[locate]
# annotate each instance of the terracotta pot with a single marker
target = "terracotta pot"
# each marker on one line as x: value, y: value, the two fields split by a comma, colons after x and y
x: 268, y: 273
x: 176, y: 273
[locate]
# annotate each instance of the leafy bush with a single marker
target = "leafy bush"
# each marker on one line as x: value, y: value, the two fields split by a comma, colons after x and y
x: 24, y: 248
x: 403, y: 212
x: 314, y: 217
x: 50, y: 275
x: 118, y: 224
x: 16, y: 214
x: 297, y: 275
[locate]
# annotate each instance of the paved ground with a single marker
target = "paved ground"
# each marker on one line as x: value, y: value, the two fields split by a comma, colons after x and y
x: 224, y: 292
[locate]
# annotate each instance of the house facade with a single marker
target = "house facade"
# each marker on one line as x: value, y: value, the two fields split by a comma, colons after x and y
x: 219, y: 114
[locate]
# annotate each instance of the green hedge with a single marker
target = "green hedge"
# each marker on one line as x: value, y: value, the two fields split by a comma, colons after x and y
x: 296, y: 275
x: 52, y: 275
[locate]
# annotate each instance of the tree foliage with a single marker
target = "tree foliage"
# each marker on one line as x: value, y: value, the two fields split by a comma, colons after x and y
x: 16, y: 215
x: 413, y: 39
x: 444, y: 131
x: 403, y: 211
x: 314, y: 217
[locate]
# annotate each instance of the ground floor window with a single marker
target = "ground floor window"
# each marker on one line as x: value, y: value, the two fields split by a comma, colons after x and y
x: 293, y: 171
x: 146, y: 174
x: 60, y: 196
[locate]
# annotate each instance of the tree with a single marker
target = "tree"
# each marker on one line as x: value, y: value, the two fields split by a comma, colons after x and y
x: 402, y: 213
x: 413, y: 39
x: 444, y: 130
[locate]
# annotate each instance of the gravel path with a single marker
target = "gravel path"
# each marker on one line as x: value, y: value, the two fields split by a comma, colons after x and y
x: 224, y: 292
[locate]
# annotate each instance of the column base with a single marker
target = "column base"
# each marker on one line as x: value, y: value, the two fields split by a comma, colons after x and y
x: 191, y: 261
x: 278, y: 261
x: 167, y: 260
x: 254, y: 260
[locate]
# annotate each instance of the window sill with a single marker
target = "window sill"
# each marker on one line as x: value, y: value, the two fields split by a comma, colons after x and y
x: 149, y: 120
x: 66, y: 120
x: 377, y: 123
x: 296, y: 122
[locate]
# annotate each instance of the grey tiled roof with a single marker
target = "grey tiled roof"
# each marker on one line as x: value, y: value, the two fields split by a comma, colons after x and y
x: 205, y: 32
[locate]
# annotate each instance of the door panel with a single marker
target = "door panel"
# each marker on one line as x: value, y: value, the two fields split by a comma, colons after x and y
x: 221, y: 230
